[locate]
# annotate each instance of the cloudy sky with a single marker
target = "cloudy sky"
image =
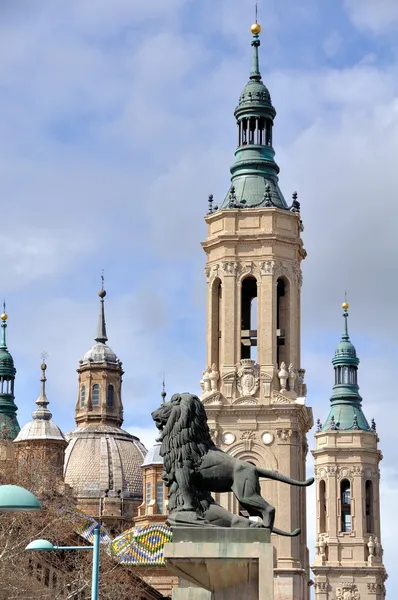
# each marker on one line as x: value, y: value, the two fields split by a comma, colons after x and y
x: 116, y: 122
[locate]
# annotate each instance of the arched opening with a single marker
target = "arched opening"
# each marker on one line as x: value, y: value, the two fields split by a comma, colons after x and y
x: 369, y: 506
x: 281, y: 320
x: 110, y: 396
x: 83, y: 396
x: 216, y: 299
x: 248, y: 322
x: 268, y: 133
x: 95, y: 396
x: 322, y: 506
x: 345, y: 498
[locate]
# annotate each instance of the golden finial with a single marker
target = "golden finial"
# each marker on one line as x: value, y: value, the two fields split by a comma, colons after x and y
x: 345, y: 305
x: 4, y: 316
x: 256, y: 27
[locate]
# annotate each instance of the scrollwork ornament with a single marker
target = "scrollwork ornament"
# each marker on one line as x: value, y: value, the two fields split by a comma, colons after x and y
x: 357, y: 471
x: 321, y: 586
x: 230, y: 268
x: 267, y: 267
x: 284, y: 435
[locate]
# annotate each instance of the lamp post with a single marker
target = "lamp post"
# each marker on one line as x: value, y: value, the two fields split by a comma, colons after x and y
x: 48, y: 546
x: 14, y: 498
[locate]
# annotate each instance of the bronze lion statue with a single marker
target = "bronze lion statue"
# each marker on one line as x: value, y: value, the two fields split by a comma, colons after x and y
x: 194, y: 467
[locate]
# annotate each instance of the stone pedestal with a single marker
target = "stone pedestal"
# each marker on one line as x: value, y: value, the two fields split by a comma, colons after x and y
x: 221, y: 563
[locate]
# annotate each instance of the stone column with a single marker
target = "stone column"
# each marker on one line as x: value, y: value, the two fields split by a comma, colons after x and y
x: 266, y: 334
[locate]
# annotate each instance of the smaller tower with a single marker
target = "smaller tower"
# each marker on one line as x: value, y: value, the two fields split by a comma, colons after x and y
x: 9, y: 426
x: 154, y: 506
x: 100, y: 380
x: 349, y: 555
x: 102, y: 461
x: 40, y: 445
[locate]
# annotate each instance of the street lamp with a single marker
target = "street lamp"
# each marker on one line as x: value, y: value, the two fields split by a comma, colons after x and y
x: 14, y: 498
x: 48, y: 546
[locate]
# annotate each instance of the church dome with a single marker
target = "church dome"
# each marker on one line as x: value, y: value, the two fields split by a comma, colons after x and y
x: 100, y: 459
x: 41, y: 427
x: 40, y: 430
x: 100, y: 353
x: 255, y: 94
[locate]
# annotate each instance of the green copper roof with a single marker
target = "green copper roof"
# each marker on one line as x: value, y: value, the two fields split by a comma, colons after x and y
x: 346, y: 410
x: 9, y: 426
x: 254, y: 174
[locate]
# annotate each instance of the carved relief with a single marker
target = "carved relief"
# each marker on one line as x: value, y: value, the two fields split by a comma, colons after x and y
x: 209, y: 381
x: 229, y: 381
x: 214, y: 433
x: 284, y: 435
x: 321, y: 586
x: 347, y: 591
x: 298, y: 275
x: 230, y: 268
x: 291, y: 376
x: 248, y: 380
x: 214, y: 399
x: 248, y: 268
x: 374, y: 550
x: 283, y: 375
x: 248, y: 436
x: 267, y: 267
x: 266, y: 381
x: 212, y: 272
x: 245, y: 401
x: 331, y: 471
x: 357, y: 470
x: 279, y: 399
x: 301, y: 387
x: 320, y: 547
x: 376, y: 588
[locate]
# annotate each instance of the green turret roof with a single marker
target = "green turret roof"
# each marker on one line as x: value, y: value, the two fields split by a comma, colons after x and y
x: 9, y: 426
x: 254, y: 181
x: 346, y: 403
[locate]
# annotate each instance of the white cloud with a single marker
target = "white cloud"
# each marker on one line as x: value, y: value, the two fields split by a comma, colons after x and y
x: 377, y: 17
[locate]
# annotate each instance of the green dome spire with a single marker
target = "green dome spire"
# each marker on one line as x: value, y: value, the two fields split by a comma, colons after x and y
x: 346, y: 410
x: 9, y: 426
x: 254, y: 181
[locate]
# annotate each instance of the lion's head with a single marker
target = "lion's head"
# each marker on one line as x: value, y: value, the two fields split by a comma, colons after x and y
x: 184, y: 436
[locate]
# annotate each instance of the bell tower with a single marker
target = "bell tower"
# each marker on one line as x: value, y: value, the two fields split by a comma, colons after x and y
x: 349, y: 556
x: 253, y: 385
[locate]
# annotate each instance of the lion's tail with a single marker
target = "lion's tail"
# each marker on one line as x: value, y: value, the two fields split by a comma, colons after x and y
x: 279, y: 477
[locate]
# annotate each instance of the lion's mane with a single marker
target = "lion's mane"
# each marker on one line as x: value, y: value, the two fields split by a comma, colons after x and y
x: 185, y: 440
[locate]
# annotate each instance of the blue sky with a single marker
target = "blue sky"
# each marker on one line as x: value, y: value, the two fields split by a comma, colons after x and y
x: 116, y: 122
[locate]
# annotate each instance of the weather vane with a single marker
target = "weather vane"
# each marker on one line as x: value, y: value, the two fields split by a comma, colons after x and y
x: 44, y: 356
x: 256, y: 12
x: 102, y: 278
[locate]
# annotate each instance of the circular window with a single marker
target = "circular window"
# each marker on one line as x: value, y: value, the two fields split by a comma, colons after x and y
x: 267, y: 438
x: 228, y: 438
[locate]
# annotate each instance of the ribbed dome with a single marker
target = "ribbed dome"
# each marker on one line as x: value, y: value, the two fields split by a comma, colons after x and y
x: 102, y: 458
x: 100, y: 353
x: 255, y: 94
x: 40, y: 430
x: 6, y: 363
x: 346, y: 349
